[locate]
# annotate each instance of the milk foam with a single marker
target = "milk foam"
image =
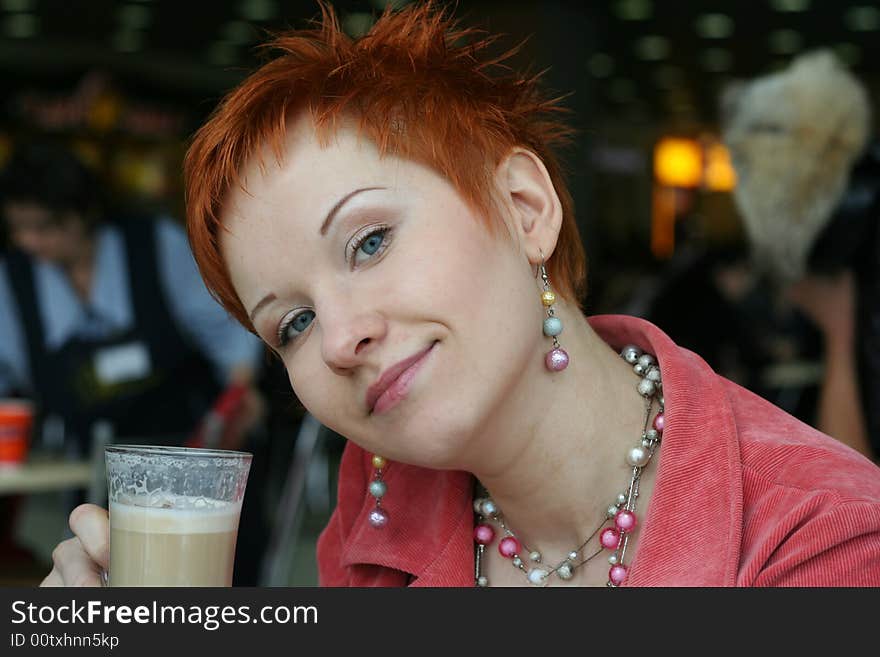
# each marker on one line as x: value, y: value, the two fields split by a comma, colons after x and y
x: 177, y: 515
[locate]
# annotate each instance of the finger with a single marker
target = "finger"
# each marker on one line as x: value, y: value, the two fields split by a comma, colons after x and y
x: 53, y: 579
x: 75, y: 566
x: 91, y: 524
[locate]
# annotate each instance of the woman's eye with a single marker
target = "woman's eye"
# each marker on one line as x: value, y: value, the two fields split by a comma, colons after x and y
x: 290, y: 329
x: 368, y: 246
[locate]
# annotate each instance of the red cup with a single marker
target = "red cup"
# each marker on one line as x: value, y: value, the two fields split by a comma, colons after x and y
x: 16, y: 421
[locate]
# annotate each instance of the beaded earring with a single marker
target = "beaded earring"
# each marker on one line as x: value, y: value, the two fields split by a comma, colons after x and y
x: 556, y: 359
x: 378, y: 488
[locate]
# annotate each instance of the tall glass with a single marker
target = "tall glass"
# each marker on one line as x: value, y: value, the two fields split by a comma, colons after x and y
x: 174, y: 514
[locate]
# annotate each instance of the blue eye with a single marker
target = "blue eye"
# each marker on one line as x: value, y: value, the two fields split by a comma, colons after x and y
x: 372, y: 243
x: 368, y: 246
x: 293, y: 327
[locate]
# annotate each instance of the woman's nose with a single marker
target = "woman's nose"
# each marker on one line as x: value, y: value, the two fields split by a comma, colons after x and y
x: 349, y: 339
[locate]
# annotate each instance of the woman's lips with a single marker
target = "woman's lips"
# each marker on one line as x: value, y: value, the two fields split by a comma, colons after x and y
x: 394, y: 385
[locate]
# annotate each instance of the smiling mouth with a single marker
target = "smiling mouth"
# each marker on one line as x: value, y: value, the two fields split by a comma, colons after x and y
x: 393, y: 387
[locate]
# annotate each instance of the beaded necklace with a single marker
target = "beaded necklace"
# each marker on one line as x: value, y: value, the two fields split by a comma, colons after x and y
x: 621, y: 513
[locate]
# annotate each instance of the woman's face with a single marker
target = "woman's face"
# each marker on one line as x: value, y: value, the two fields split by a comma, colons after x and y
x: 403, y: 324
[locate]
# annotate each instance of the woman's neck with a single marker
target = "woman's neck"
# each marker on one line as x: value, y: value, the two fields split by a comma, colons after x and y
x: 554, y: 458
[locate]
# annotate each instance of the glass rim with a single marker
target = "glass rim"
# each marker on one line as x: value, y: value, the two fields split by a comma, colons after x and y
x: 169, y: 450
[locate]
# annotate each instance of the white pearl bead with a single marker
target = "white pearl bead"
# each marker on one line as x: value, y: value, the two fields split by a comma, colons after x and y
x: 612, y: 559
x: 538, y: 576
x: 637, y: 457
x: 488, y: 508
x: 572, y: 555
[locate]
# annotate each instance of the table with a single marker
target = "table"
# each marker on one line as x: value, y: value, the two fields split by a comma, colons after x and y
x: 45, y: 475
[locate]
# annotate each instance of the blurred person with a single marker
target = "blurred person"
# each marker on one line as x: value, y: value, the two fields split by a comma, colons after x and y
x: 389, y: 215
x: 105, y: 318
x: 809, y: 194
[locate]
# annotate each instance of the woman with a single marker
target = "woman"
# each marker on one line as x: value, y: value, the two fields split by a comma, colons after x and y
x: 387, y: 215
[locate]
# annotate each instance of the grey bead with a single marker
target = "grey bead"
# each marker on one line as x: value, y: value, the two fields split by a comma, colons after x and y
x: 653, y: 374
x: 631, y: 353
x: 646, y: 360
x: 611, y: 511
x: 646, y: 443
x: 565, y: 571
x: 652, y: 434
x: 612, y: 559
x: 573, y: 555
x: 552, y: 326
x: 478, y: 504
x: 535, y: 556
x: 517, y: 562
x: 638, y: 369
x: 621, y: 498
x: 482, y: 581
x: 378, y: 489
x: 646, y: 387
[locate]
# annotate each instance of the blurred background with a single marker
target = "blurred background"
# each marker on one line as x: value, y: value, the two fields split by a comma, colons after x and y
x: 124, y: 83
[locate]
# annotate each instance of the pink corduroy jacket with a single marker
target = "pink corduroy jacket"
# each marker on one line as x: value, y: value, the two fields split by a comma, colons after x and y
x: 745, y: 495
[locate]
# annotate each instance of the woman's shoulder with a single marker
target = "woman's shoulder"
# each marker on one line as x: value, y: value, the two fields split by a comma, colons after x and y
x: 810, y: 506
x: 780, y: 450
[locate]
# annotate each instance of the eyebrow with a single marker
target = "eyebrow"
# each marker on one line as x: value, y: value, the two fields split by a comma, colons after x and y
x: 269, y: 298
x: 341, y: 202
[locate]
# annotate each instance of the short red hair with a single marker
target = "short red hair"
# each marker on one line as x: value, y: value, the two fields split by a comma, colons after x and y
x: 417, y: 86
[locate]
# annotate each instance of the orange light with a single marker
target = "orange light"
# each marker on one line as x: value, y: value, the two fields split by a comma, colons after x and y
x: 719, y: 176
x: 678, y: 162
x: 663, y: 211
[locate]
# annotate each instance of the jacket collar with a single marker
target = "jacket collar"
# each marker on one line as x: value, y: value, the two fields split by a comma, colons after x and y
x: 430, y: 532
x: 694, y: 519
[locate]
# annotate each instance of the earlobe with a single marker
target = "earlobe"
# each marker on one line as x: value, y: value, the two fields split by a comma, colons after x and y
x: 534, y: 204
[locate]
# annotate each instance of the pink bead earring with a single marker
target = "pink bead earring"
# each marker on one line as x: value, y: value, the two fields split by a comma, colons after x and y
x: 556, y: 359
x: 378, y: 488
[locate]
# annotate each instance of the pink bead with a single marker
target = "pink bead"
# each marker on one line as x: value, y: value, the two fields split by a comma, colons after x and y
x: 660, y: 422
x: 484, y: 534
x: 625, y: 520
x: 378, y: 518
x: 509, y: 547
x: 556, y: 360
x: 617, y: 574
x: 610, y: 539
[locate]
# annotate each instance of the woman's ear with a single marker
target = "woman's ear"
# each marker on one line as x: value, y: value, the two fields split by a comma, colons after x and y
x: 531, y: 199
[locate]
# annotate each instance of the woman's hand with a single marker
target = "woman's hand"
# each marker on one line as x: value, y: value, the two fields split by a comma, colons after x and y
x: 83, y: 559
